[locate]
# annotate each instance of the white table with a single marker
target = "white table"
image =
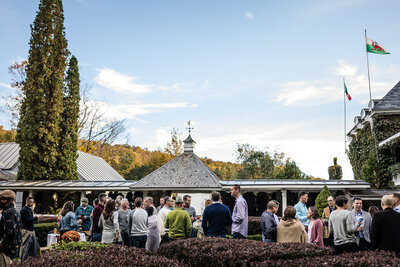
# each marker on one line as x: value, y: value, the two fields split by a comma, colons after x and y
x: 52, y: 238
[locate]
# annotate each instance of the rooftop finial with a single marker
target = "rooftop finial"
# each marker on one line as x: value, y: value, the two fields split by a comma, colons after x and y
x: 189, y: 142
x: 189, y: 127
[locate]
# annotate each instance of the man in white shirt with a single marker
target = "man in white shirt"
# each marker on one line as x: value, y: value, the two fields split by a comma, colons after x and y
x: 396, y: 206
x: 161, y: 217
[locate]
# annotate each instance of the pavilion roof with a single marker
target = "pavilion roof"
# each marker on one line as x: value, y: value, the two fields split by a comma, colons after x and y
x: 186, y: 172
x: 89, y: 167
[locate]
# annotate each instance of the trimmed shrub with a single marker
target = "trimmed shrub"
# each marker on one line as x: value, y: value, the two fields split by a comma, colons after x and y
x: 113, y: 255
x: 42, y: 230
x: 227, y: 252
x: 254, y: 226
x: 359, y: 259
x: 80, y: 246
x: 249, y: 237
x: 321, y: 201
x: 47, y: 219
x: 335, y: 172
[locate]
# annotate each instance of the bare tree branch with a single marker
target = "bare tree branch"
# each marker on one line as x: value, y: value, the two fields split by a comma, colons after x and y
x: 92, y: 124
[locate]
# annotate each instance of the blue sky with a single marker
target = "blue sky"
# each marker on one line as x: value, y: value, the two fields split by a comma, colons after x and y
x: 268, y: 73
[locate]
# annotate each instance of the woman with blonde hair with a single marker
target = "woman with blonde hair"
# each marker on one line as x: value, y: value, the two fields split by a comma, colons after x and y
x: 290, y: 229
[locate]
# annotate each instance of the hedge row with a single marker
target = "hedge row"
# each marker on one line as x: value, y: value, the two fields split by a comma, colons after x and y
x: 113, y: 255
x: 249, y: 237
x: 42, y: 230
x: 228, y: 252
x: 80, y: 246
x: 254, y: 227
x: 47, y: 219
x: 359, y: 259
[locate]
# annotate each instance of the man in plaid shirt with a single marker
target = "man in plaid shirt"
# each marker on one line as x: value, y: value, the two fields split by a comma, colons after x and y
x: 83, y: 212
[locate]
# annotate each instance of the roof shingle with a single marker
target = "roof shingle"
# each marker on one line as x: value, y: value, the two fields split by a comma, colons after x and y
x: 89, y: 167
x: 184, y: 171
x: 391, y: 100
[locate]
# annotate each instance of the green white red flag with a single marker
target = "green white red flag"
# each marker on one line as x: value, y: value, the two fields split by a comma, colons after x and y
x: 346, y: 92
x: 374, y: 47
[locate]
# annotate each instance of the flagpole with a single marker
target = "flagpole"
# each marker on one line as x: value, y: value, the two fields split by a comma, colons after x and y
x: 344, y: 106
x: 369, y: 79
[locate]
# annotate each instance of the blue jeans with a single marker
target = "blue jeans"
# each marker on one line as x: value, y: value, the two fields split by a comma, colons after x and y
x: 96, y: 237
x: 193, y: 233
x: 238, y: 236
x: 269, y: 241
x: 139, y: 241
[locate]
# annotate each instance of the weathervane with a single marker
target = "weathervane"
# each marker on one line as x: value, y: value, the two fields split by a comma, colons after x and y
x: 189, y: 127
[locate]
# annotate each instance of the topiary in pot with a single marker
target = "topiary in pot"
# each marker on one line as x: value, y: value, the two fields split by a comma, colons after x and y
x: 335, y: 171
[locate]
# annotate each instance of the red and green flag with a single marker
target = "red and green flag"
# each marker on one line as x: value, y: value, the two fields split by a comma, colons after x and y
x: 346, y: 92
x: 374, y: 47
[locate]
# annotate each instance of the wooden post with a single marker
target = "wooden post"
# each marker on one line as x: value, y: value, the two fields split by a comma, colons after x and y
x: 284, y: 200
x: 83, y: 195
x: 19, y: 201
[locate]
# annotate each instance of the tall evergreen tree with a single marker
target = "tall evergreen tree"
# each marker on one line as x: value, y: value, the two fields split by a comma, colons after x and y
x: 38, y: 131
x: 69, y: 127
x: 321, y: 201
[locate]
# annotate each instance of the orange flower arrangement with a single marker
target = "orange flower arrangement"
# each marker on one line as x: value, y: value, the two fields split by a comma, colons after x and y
x: 70, y: 236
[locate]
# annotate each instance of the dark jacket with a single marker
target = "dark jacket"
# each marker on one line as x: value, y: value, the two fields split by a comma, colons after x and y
x: 216, y: 217
x: 27, y: 218
x: 10, y: 232
x: 98, y: 210
x: 268, y: 225
x: 385, y: 230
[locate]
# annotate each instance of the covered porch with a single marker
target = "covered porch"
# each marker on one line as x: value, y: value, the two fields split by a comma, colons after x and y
x: 49, y: 193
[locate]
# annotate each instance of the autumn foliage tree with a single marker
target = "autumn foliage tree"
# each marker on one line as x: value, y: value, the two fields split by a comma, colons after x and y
x: 7, y: 135
x: 262, y: 164
x: 175, y: 146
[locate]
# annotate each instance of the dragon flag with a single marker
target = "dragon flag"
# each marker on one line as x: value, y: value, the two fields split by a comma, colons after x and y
x: 374, y: 47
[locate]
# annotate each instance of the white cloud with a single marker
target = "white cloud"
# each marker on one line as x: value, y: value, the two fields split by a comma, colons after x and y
x: 125, y: 111
x: 313, y: 155
x: 6, y: 85
x: 119, y: 82
x: 312, y: 150
x: 177, y: 87
x: 331, y: 89
x: 248, y: 15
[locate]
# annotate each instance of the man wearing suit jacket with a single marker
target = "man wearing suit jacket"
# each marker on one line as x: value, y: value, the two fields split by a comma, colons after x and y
x: 216, y: 217
x: 363, y: 236
x: 385, y: 230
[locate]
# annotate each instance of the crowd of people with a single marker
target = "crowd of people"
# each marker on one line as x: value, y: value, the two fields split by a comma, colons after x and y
x: 346, y: 229
x: 145, y: 226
